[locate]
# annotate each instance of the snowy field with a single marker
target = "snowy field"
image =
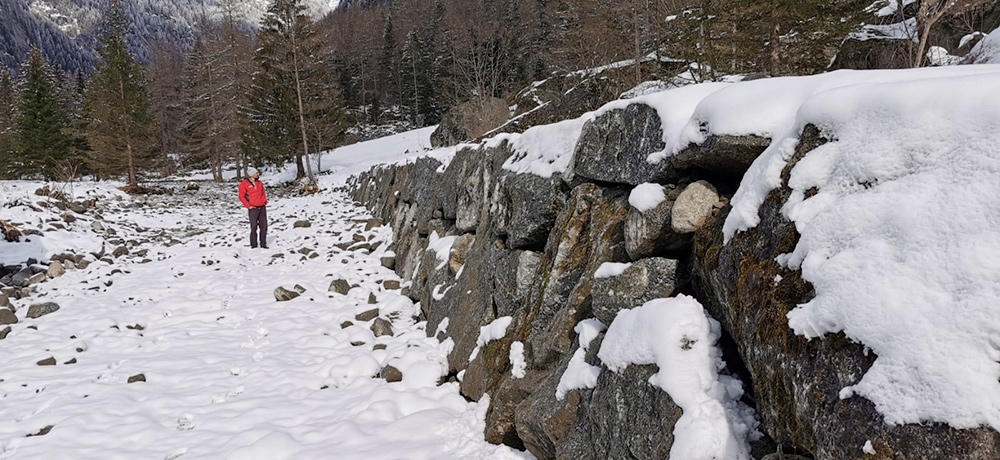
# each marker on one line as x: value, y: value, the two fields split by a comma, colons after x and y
x: 230, y: 373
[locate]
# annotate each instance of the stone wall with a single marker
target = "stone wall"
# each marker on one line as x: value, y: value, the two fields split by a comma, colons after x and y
x: 527, y: 247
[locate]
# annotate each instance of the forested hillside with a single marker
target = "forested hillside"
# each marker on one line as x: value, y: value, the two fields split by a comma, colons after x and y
x: 225, y: 82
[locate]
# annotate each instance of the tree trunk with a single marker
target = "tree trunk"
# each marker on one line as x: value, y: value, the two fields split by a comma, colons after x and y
x: 302, y: 115
x: 774, y: 59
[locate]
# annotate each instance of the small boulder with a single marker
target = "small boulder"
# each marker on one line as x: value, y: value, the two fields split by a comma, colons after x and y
x: 56, y: 269
x: 346, y: 324
x: 380, y: 346
x: 693, y: 207
x: 367, y: 316
x: 50, y: 361
x: 120, y: 251
x: 137, y: 378
x: 641, y: 282
x: 391, y: 374
x: 359, y: 238
x: 41, y: 309
x: 373, y: 223
x: 4, y: 300
x: 340, y: 286
x: 391, y: 284
x: 372, y: 300
x: 36, y: 278
x: 382, y: 327
x: 281, y: 294
x: 298, y: 288
x: 4, y: 332
x: 389, y: 262
x: 7, y: 316
x: 302, y: 224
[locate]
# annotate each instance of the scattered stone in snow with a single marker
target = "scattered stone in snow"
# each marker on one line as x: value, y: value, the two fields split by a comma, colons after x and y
x: 7, y: 316
x: 299, y: 289
x: 382, y: 327
x: 391, y: 285
x: 281, y: 294
x: 4, y: 332
x: 137, y: 378
x: 42, y: 432
x: 346, y: 324
x: 56, y: 269
x: 340, y: 286
x: 389, y: 262
x: 372, y: 300
x: 302, y: 224
x: 41, y: 309
x: 71, y: 361
x: 50, y: 361
x: 380, y: 346
x: 373, y: 223
x: 367, y: 316
x: 391, y: 374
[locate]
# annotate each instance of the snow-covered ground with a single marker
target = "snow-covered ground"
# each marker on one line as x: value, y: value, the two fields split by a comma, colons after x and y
x: 230, y: 373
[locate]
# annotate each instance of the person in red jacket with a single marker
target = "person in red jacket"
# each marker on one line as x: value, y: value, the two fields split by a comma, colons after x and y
x: 254, y: 198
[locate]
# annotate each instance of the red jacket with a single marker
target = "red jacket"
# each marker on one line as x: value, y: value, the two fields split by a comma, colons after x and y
x: 252, y: 194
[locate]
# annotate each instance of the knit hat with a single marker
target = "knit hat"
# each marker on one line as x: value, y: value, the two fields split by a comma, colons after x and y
x: 251, y: 171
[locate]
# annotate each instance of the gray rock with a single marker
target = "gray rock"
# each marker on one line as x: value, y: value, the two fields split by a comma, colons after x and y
x: 367, y: 315
x: 391, y: 374
x: 56, y: 269
x: 4, y: 300
x: 727, y: 155
x: 120, y: 251
x: 382, y: 327
x: 650, y: 233
x: 7, y: 316
x: 459, y: 251
x: 302, y: 224
x: 693, y: 207
x: 388, y: 262
x: 36, y: 278
x: 615, y: 146
x: 299, y: 289
x: 373, y: 223
x: 391, y: 285
x: 41, y: 309
x: 21, y: 278
x: 5, y: 332
x: 643, y: 281
x: 340, y: 286
x: 50, y: 361
x: 528, y: 206
x: 282, y: 295
x: 137, y: 378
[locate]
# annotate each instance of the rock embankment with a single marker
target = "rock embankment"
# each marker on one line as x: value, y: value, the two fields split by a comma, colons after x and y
x: 483, y: 245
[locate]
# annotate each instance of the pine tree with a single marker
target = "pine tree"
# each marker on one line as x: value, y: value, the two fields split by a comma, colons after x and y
x: 287, y: 96
x: 41, y: 140
x: 8, y: 130
x: 120, y: 129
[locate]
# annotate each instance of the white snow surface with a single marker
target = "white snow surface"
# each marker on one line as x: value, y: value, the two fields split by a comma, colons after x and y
x: 987, y: 51
x: 579, y: 374
x: 900, y: 240
x: 646, y: 196
x: 611, y: 269
x: 230, y: 373
x: 518, y: 365
x: 679, y: 337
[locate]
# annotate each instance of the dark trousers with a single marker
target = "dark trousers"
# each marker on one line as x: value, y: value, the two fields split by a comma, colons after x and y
x: 258, y: 221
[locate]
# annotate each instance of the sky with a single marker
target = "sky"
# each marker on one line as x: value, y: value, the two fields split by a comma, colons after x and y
x: 899, y: 243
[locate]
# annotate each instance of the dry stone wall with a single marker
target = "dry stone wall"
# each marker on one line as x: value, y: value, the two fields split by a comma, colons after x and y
x: 528, y: 247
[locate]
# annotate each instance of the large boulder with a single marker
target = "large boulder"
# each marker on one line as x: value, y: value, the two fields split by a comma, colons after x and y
x: 641, y: 282
x: 614, y: 147
x: 649, y: 232
x: 800, y: 401
x: 528, y: 206
x: 724, y: 155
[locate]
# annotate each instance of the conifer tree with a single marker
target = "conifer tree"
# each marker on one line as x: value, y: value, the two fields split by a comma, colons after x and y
x: 41, y: 124
x: 120, y: 129
x: 287, y: 96
x: 8, y: 115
